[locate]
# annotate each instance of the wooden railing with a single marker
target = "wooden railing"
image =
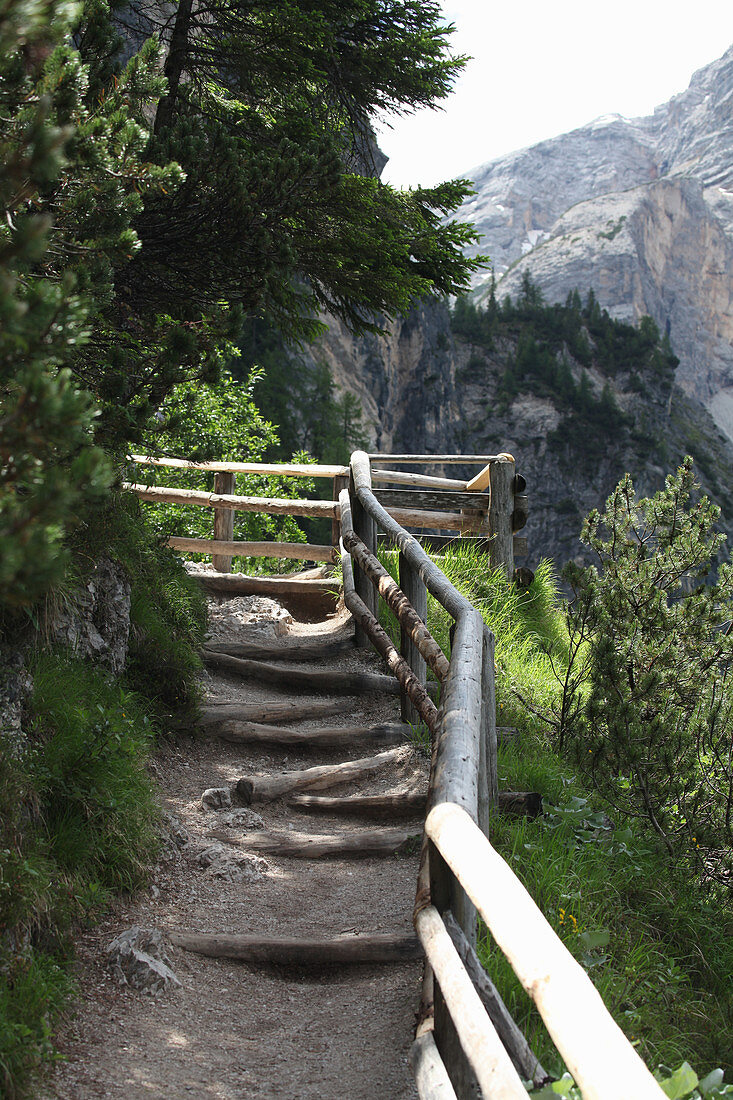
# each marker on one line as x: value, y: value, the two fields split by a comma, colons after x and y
x: 491, y: 506
x: 466, y: 1043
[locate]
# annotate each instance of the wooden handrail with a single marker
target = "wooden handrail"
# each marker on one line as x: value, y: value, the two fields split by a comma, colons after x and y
x: 317, y: 509
x: 459, y: 867
x: 281, y: 469
x: 593, y: 1046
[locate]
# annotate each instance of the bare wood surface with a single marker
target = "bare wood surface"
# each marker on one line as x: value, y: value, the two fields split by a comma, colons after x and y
x: 224, y: 482
x: 440, y: 521
x: 265, y: 788
x: 431, y: 1076
x: 389, y: 804
x: 377, y: 947
x: 287, y: 650
x: 523, y: 1057
x: 413, y: 632
x: 438, y: 584
x: 501, y: 549
x: 388, y: 733
x: 520, y: 544
x: 362, y: 843
x: 489, y: 785
x: 316, y: 509
x: 483, y: 1048
x: 587, y: 1037
x: 346, y: 683
x: 213, y: 714
x: 379, y: 637
x: 399, y: 601
x: 298, y: 551
x: 282, y: 469
x: 426, y: 460
x: 444, y: 500
x: 400, y: 477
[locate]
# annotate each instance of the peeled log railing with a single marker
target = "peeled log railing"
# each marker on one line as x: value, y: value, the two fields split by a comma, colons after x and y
x: 461, y: 1050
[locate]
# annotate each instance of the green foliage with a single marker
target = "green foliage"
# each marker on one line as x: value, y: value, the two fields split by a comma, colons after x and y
x: 48, y: 465
x: 94, y: 794
x: 554, y: 346
x: 77, y: 821
x: 653, y: 648
x: 220, y: 421
x: 300, y: 401
x: 680, y: 1084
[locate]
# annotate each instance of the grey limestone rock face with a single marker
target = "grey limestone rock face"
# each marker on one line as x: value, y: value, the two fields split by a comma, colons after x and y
x: 639, y: 210
x: 95, y: 623
x: 15, y: 689
x: 138, y: 958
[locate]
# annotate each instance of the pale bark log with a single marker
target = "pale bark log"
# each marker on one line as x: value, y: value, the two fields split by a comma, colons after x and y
x: 346, y: 683
x: 215, y: 713
x: 265, y: 788
x: 293, y: 951
x: 389, y: 804
x: 426, y: 481
x: 587, y: 1037
x: 389, y: 733
x: 448, y: 500
x: 281, y: 469
x: 490, y: 1062
x: 361, y: 844
x: 524, y: 1059
x: 297, y: 551
x: 431, y: 1076
x: 316, y: 509
x: 224, y: 483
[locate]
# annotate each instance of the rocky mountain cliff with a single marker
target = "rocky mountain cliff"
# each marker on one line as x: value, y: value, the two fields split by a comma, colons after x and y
x: 641, y: 210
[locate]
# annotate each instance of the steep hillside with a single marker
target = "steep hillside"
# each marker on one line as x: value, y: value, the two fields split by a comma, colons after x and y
x: 640, y: 210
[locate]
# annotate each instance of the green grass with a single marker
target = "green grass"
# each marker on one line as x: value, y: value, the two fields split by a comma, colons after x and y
x: 658, y: 948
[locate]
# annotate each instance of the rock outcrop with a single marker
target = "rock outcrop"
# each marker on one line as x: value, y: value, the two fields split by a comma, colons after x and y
x: 641, y: 211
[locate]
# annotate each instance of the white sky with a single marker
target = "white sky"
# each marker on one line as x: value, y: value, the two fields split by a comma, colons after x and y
x: 540, y: 69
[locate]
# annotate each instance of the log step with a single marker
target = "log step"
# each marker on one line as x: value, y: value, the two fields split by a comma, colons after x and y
x: 357, y: 844
x: 388, y: 733
x: 346, y: 683
x: 389, y: 804
x: 289, y: 651
x: 213, y: 714
x: 375, y: 947
x: 407, y: 803
x: 265, y: 788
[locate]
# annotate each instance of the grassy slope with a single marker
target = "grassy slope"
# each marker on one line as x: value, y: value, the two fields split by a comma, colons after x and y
x: 659, y: 950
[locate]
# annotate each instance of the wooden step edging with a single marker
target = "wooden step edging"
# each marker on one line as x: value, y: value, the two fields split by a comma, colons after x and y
x: 347, y: 683
x: 342, y: 950
x: 359, y: 844
x: 252, y: 733
x: 214, y: 714
x: 287, y: 651
x: 266, y: 788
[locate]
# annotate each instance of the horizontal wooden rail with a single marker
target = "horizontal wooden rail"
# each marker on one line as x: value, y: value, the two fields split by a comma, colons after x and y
x: 444, y: 499
x: 395, y: 599
x: 420, y: 481
x: 482, y: 1046
x: 316, y: 509
x: 278, y: 469
x: 443, y: 460
x: 379, y: 637
x: 595, y: 1050
x: 299, y: 551
x: 472, y: 522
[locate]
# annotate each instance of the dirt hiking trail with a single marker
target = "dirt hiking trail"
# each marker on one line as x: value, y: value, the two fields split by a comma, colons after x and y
x: 231, y: 1029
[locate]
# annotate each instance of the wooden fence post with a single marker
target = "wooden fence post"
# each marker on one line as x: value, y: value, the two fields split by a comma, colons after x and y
x: 414, y: 588
x: 223, y: 521
x: 339, y: 483
x: 366, y: 528
x: 501, y: 508
x: 488, y: 786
